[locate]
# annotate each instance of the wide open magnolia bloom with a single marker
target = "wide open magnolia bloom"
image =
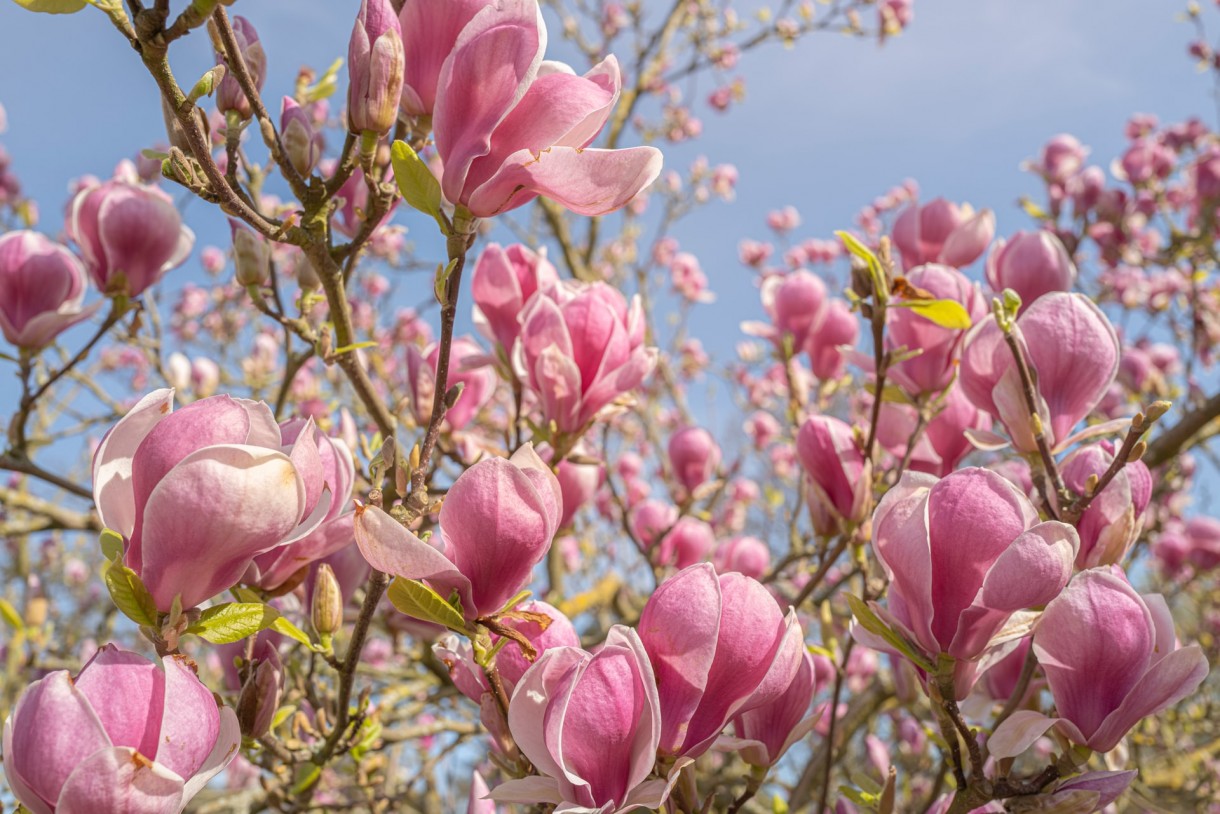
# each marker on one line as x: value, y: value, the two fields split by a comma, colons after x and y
x: 124, y: 735
x: 199, y: 492
x: 509, y: 126
x: 581, y: 346
x: 590, y: 724
x: 720, y: 646
x: 942, y: 232
x: 1110, y: 657
x: 504, y: 280
x: 963, y: 554
x: 497, y: 523
x: 128, y: 234
x: 1072, y: 352
x: 335, y: 531
x: 1115, y: 517
x: 42, y: 288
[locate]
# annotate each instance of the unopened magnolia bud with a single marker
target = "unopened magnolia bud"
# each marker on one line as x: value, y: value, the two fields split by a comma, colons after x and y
x: 375, y: 62
x: 260, y: 695
x: 327, y: 609
x: 307, y: 276
x: 251, y: 256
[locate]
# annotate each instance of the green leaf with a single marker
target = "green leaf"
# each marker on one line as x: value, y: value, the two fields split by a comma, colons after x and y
x: 441, y: 281
x: 873, y: 624
x: 416, y: 182
x: 112, y: 544
x: 370, y: 731
x: 881, y: 286
x: 325, y: 86
x: 282, y: 625
x: 52, y: 6
x: 418, y: 601
x: 354, y: 346
x: 9, y: 614
x: 945, y: 313
x: 306, y: 775
x: 282, y: 714
x: 233, y: 621
x: 130, y: 596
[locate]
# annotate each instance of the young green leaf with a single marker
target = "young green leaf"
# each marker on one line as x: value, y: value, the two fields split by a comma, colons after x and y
x: 53, y: 6
x: 873, y: 624
x: 10, y: 615
x: 233, y: 621
x: 282, y: 625
x: 130, y: 596
x: 112, y: 544
x: 416, y: 182
x: 945, y: 313
x: 418, y: 601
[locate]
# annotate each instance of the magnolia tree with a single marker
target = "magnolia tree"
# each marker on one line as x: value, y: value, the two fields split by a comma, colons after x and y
x: 277, y: 541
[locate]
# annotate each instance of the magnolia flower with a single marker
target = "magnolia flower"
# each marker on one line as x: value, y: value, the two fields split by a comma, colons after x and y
x: 497, y: 523
x: 506, y: 135
x: 1031, y: 264
x: 123, y: 735
x: 1110, y: 657
x: 942, y: 232
x: 375, y: 63
x: 198, y: 493
x: 590, y: 724
x: 42, y: 288
x: 839, y: 477
x: 504, y: 280
x: 933, y: 369
x: 1115, y: 516
x: 694, y: 457
x: 963, y: 554
x: 765, y: 733
x: 467, y: 367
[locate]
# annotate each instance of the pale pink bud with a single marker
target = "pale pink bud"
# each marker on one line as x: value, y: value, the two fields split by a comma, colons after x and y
x: 128, y: 235
x: 302, y: 143
x: 124, y: 735
x: 229, y: 96
x: 177, y: 485
x: 840, y: 479
x: 42, y: 290
x: 1110, y: 657
x: 694, y: 457
x: 375, y: 63
x: 963, y: 554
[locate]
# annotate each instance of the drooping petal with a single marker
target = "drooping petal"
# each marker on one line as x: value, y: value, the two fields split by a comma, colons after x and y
x: 901, y: 542
x: 1167, y: 682
x: 191, y: 723
x: 390, y: 548
x: 127, y: 691
x: 113, y: 492
x: 228, y: 740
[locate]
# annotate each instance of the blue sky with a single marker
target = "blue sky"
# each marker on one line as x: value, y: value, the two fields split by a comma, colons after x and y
x: 971, y: 90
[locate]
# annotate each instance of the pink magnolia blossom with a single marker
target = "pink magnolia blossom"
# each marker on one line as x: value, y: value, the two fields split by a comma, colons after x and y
x: 838, y: 328
x: 694, y: 457
x: 1115, y: 516
x: 590, y: 724
x: 745, y: 555
x: 1061, y: 158
x: 689, y: 541
x: 129, y: 235
x: 839, y: 478
x: 650, y: 519
x: 467, y: 366
x: 1070, y: 347
x: 578, y: 481
x: 42, y: 290
x: 123, y: 735
x: 934, y: 368
x: 1031, y: 264
x: 720, y: 646
x: 1111, y: 658
x: 944, y: 441
x: 334, y: 533
x: 199, y: 492
x: 504, y: 281
x: 507, y: 135
x: 580, y: 348
x: 375, y: 63
x: 497, y: 523
x: 429, y: 30
x: 942, y: 232
x: 796, y: 302
x: 765, y: 733
x: 964, y: 553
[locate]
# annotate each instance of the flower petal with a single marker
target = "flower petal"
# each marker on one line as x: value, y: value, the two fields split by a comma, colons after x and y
x: 120, y: 780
